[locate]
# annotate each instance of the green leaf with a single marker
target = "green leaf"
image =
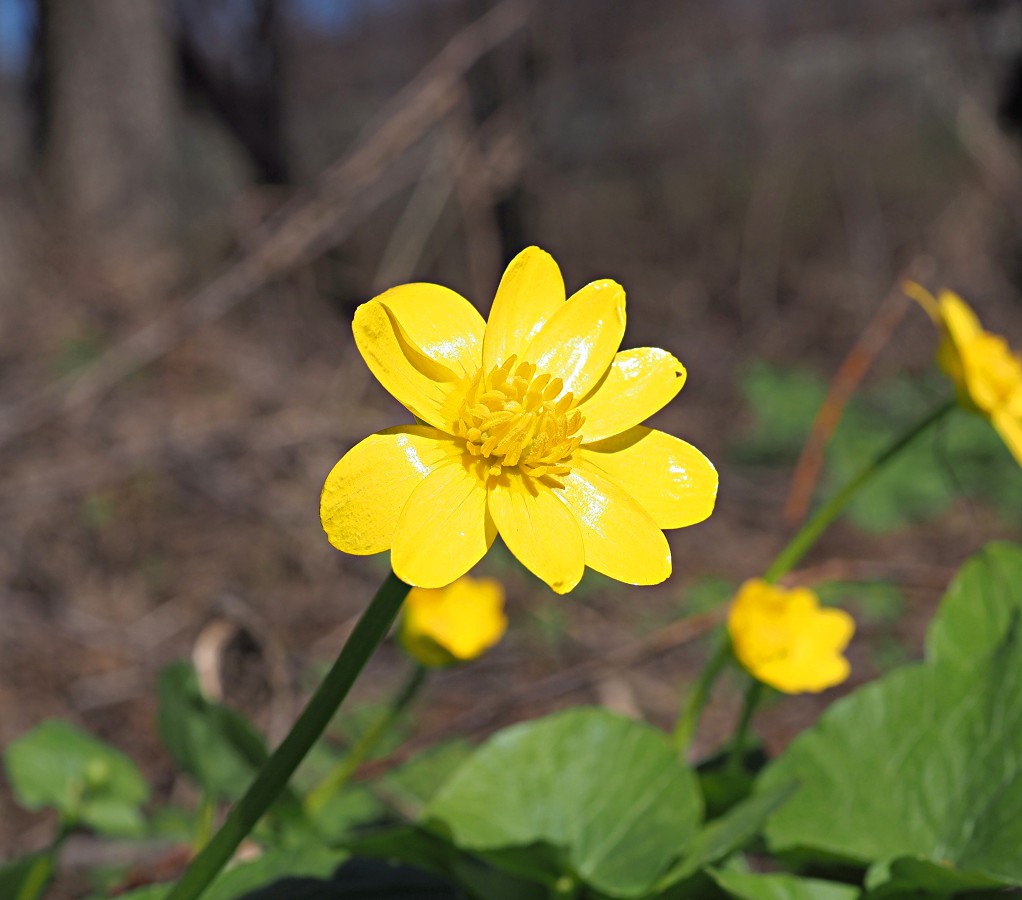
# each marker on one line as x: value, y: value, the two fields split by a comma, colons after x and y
x: 974, y: 615
x: 432, y: 853
x: 914, y: 877
x: 411, y: 786
x: 608, y: 794
x: 921, y: 763
x: 215, y: 745
x: 747, y: 886
x: 274, y: 865
x: 26, y: 878
x: 729, y: 833
x: 59, y: 766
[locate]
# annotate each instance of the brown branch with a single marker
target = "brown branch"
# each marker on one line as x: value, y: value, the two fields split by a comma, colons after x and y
x: 844, y: 384
x: 346, y: 193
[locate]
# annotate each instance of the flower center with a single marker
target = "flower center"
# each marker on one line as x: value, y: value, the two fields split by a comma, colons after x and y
x: 514, y: 417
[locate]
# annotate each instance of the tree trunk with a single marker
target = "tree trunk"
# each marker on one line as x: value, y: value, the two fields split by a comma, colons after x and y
x: 107, y: 79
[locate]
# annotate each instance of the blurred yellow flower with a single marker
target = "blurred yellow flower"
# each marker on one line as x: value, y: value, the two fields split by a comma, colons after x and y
x: 530, y: 429
x: 985, y: 371
x: 786, y: 640
x: 456, y: 623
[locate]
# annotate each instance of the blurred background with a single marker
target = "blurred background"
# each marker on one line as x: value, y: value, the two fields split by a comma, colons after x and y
x: 196, y: 194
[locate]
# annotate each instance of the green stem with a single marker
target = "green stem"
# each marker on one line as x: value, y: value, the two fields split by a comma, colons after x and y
x: 369, y: 633
x: 695, y: 701
x: 204, y: 822
x: 753, y: 695
x: 810, y: 532
x: 338, y: 777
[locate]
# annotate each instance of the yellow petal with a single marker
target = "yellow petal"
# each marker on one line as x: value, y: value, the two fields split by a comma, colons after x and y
x: 1009, y: 427
x: 831, y: 629
x: 666, y: 476
x: 421, y: 384
x: 958, y: 318
x: 530, y: 292
x: 458, y: 622
x: 638, y: 383
x: 442, y: 324
x: 810, y: 674
x: 365, y: 492
x: 621, y: 540
x: 538, y: 529
x: 444, y: 528
x: 579, y: 341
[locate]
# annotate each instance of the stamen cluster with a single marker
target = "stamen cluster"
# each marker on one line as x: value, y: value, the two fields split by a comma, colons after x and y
x: 514, y: 417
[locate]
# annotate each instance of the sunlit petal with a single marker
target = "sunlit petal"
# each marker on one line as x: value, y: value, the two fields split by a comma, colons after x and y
x: 530, y: 292
x: 444, y: 528
x: 539, y: 530
x: 666, y: 476
x: 442, y: 324
x: 421, y: 384
x: 366, y: 491
x: 621, y: 539
x: 639, y: 383
x: 579, y: 341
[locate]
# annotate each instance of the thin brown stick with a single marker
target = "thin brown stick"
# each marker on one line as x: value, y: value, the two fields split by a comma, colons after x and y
x: 844, y: 384
x: 346, y: 193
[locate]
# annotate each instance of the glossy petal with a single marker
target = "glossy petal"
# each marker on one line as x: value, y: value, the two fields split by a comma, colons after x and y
x: 621, y: 540
x: 421, y: 384
x: 579, y: 341
x: 366, y: 491
x: 530, y: 292
x: 442, y: 324
x: 539, y: 530
x: 458, y: 622
x: 1009, y: 427
x: 444, y: 528
x: 666, y: 476
x: 639, y: 383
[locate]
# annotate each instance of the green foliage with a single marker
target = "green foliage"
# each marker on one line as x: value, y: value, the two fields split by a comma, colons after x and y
x: 964, y: 455
x: 605, y: 796
x: 242, y: 879
x: 88, y: 782
x: 918, y: 769
x: 747, y: 886
x: 978, y: 608
x: 215, y: 745
x: 26, y: 878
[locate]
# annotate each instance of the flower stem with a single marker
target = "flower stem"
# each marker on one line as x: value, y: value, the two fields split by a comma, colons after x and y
x: 338, y: 777
x: 695, y: 701
x: 753, y: 694
x: 810, y: 532
x: 369, y: 633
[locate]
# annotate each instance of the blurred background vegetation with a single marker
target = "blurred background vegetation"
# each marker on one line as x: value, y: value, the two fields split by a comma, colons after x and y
x: 195, y: 195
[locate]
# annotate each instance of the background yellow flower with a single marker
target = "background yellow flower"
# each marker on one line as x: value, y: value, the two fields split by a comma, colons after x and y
x: 531, y: 429
x: 456, y: 623
x: 786, y: 640
x: 985, y: 371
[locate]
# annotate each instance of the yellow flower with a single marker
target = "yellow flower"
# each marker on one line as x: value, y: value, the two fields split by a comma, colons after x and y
x: 985, y: 371
x: 785, y: 639
x: 459, y: 622
x: 530, y: 429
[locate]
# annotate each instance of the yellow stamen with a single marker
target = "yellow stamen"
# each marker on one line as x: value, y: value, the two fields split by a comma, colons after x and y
x: 514, y: 417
